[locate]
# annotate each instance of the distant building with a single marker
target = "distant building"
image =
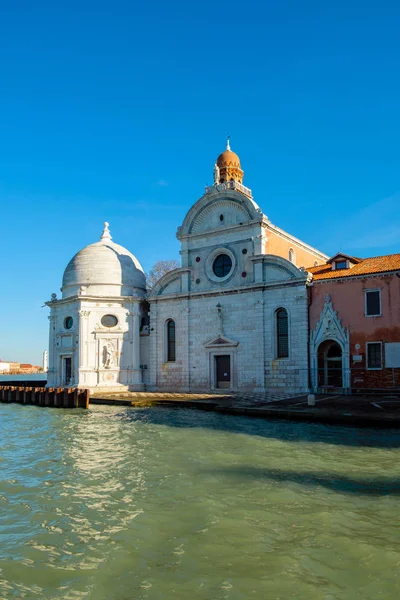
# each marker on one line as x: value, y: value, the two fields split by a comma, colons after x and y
x: 4, y: 367
x: 355, y: 323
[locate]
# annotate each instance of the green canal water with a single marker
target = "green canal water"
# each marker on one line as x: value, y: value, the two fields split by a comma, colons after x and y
x: 160, y: 504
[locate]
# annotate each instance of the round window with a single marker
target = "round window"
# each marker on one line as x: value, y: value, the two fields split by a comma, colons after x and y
x: 222, y: 265
x: 109, y: 321
x: 68, y: 322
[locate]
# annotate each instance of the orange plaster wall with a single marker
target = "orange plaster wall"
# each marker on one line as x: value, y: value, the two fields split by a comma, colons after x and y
x: 348, y: 301
x: 280, y: 247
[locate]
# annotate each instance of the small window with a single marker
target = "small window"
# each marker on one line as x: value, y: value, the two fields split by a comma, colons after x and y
x: 282, y: 333
x: 374, y: 355
x: 372, y: 303
x: 292, y: 256
x: 341, y: 264
x: 171, y: 346
x: 315, y: 263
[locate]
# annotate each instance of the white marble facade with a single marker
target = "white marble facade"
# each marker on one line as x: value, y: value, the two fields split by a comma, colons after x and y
x: 94, y: 337
x: 222, y: 306
x: 233, y: 316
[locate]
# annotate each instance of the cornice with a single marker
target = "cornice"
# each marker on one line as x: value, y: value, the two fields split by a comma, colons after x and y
x: 263, y: 221
x: 361, y: 276
x: 82, y: 299
x: 250, y: 288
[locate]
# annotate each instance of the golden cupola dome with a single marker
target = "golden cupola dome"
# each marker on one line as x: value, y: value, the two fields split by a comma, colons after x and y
x: 228, y: 164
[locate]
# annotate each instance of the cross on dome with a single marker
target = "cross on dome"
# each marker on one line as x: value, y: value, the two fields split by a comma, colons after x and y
x: 106, y: 235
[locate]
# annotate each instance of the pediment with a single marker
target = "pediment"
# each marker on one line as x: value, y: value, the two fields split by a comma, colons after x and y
x: 329, y: 325
x: 220, y: 341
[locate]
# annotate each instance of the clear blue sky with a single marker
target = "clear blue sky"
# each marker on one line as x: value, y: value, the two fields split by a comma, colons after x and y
x: 117, y: 111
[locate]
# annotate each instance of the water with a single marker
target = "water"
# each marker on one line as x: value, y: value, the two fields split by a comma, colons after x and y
x: 161, y: 504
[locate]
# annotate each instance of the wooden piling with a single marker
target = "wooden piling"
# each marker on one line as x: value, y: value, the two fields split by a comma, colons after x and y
x: 59, y: 397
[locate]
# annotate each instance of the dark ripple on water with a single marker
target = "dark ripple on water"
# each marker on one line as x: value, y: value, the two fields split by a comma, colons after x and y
x: 159, y: 504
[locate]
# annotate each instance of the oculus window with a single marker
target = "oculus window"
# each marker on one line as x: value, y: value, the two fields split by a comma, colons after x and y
x: 222, y: 265
x: 109, y: 321
x: 68, y: 322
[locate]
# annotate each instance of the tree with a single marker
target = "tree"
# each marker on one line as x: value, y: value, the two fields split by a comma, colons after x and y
x: 162, y: 267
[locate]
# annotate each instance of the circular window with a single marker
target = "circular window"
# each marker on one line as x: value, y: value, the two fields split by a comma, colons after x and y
x: 109, y: 321
x: 222, y: 265
x: 68, y: 322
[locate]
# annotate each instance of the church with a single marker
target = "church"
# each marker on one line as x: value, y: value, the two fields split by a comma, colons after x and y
x: 233, y: 317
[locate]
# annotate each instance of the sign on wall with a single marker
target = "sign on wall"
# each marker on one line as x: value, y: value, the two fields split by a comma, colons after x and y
x: 392, y: 355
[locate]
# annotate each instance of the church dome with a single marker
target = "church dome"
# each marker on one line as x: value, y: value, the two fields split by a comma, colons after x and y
x: 103, y: 269
x: 227, y: 167
x: 228, y: 159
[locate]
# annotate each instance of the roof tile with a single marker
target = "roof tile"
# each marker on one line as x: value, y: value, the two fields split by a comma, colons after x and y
x: 367, y: 266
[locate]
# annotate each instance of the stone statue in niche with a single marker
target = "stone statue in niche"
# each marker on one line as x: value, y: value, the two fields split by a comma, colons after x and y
x: 216, y: 174
x: 108, y: 355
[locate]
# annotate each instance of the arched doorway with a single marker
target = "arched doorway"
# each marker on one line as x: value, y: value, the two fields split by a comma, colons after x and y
x: 330, y: 365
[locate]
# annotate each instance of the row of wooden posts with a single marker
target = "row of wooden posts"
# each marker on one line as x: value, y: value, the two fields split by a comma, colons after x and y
x: 40, y: 396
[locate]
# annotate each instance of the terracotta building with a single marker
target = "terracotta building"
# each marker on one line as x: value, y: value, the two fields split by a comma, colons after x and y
x: 355, y: 323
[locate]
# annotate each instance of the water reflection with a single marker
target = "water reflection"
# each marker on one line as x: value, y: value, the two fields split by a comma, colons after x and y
x: 274, y: 428
x: 380, y: 486
x: 162, y: 504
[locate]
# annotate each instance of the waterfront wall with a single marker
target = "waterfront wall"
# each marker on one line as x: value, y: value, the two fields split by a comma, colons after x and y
x: 57, y: 397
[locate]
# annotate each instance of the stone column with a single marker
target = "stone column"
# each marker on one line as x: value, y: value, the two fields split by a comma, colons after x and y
x: 51, y: 372
x: 82, y: 344
x: 153, y: 354
x: 184, y: 345
x: 137, y: 382
x: 259, y: 310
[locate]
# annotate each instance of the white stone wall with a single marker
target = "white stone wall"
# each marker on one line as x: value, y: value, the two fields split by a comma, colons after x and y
x: 102, y: 357
x: 249, y: 322
x: 287, y: 374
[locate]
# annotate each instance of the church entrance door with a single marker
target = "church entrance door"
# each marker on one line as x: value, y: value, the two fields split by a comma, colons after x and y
x: 223, y: 371
x: 67, y: 370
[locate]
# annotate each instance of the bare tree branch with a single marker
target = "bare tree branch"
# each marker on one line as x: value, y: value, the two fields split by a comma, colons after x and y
x: 158, y: 270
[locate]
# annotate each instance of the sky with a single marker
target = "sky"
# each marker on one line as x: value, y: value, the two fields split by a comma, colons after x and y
x: 118, y: 110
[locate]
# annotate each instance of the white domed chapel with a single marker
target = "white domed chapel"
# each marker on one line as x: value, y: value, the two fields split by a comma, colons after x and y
x: 94, y: 327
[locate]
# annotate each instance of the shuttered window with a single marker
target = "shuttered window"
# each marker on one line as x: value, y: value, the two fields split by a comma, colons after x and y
x: 282, y: 331
x: 171, y: 350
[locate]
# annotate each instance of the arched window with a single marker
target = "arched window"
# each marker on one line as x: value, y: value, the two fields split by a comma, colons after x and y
x: 282, y: 333
x: 171, y: 348
x: 315, y: 263
x: 292, y: 256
